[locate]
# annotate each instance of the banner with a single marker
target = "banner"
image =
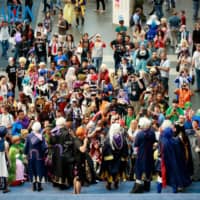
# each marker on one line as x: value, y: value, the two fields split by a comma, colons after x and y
x: 122, y: 8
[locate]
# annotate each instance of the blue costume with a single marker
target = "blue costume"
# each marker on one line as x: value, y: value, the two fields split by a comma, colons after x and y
x: 35, y: 149
x: 172, y: 166
x: 144, y: 163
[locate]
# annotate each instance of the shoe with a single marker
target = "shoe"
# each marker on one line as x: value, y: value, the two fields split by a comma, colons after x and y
x: 116, y: 185
x: 39, y: 187
x: 147, y: 185
x: 6, y: 190
x: 138, y: 188
x: 95, y: 10
x: 34, y: 188
x: 108, y: 186
x: 102, y: 11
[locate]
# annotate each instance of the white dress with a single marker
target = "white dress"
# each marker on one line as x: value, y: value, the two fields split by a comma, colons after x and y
x: 3, y: 165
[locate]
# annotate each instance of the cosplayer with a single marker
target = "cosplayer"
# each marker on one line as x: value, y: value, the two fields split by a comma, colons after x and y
x: 35, y: 149
x: 62, y: 155
x: 81, y: 168
x: 42, y: 89
x: 4, y: 158
x: 19, y: 132
x: 172, y: 170
x: 143, y: 150
x: 114, y: 156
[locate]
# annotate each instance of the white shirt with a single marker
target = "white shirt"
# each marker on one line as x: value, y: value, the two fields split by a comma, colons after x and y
x: 4, y: 33
x: 164, y: 63
x: 196, y: 59
x: 6, y: 120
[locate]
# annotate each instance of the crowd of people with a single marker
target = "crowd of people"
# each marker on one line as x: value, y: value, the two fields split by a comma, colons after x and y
x: 68, y: 118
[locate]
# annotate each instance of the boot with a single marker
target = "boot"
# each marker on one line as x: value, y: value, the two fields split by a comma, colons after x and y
x: 39, y: 187
x: 147, y: 185
x: 159, y: 187
x: 34, y: 188
x: 116, y: 184
x: 138, y: 188
x: 5, y: 188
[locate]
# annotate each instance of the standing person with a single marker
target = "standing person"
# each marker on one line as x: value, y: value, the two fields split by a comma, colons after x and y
x: 195, y: 9
x: 80, y: 149
x: 174, y: 23
x: 68, y: 12
x: 164, y: 72
x: 62, y: 155
x: 98, y: 5
x: 195, y: 36
x: 21, y: 72
x: 196, y: 65
x: 3, y: 158
x: 4, y: 37
x: 143, y: 150
x: 114, y: 152
x: 158, y: 4
x: 11, y: 71
x: 97, y: 47
x: 118, y: 47
x: 62, y: 27
x: 80, y: 11
x: 35, y: 149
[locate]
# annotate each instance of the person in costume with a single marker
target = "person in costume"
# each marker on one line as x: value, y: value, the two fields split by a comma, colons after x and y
x: 172, y: 170
x: 143, y: 151
x: 35, y: 149
x: 4, y: 158
x: 114, y: 156
x: 80, y: 165
x: 19, y: 132
x: 62, y: 154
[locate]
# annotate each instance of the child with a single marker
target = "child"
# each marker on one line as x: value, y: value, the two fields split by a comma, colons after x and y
x: 183, y: 17
x: 3, y: 160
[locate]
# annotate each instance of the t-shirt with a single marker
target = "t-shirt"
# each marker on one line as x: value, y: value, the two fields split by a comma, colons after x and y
x: 174, y: 117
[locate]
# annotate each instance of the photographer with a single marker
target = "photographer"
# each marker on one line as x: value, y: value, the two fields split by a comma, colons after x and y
x: 174, y: 111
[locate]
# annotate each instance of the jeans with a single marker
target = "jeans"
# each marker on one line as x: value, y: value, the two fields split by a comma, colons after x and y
x: 159, y: 11
x: 195, y: 9
x: 97, y: 61
x: 5, y: 47
x: 171, y: 4
x: 198, y: 78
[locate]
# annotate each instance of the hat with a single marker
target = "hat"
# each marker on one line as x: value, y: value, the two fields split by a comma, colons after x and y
x: 98, y: 35
x: 60, y: 122
x: 36, y: 127
x: 121, y: 18
x: 187, y: 105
